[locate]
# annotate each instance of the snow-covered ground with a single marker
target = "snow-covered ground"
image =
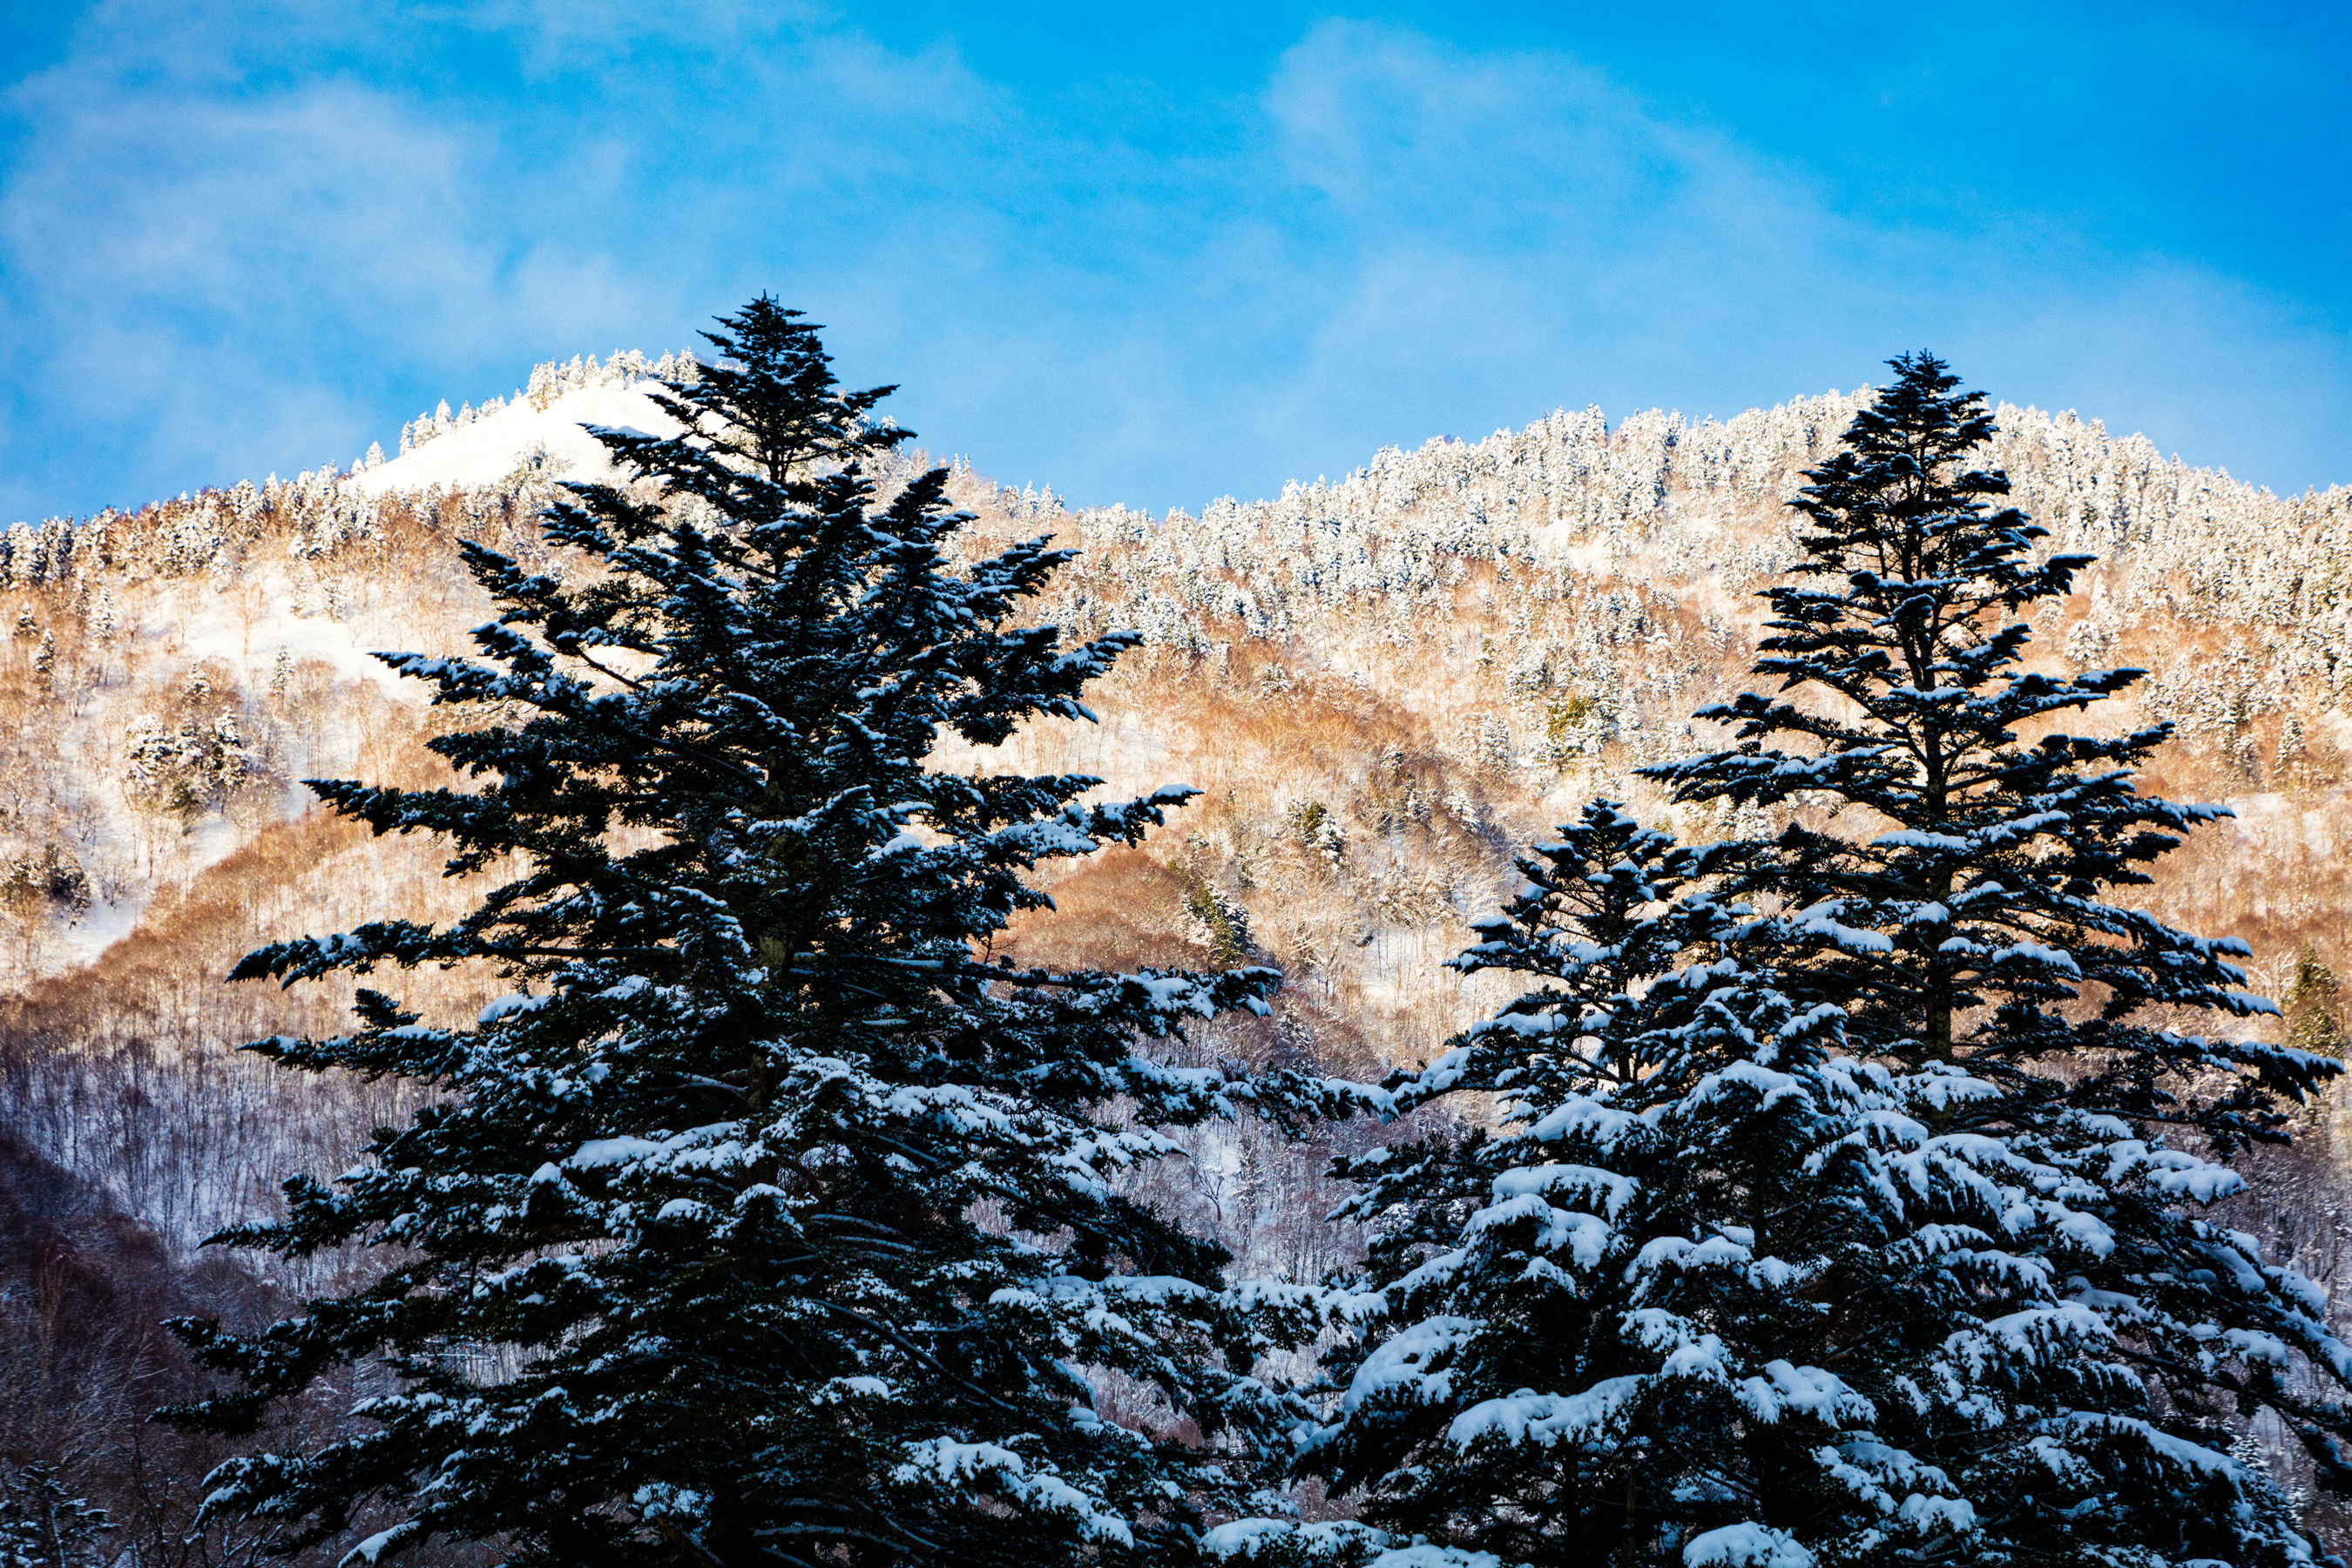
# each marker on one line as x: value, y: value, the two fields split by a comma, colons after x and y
x: 199, y: 628
x: 489, y: 449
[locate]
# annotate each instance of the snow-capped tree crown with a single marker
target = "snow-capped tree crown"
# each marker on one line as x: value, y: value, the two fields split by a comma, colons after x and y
x: 1601, y: 916
x: 772, y: 399
x: 1970, y: 916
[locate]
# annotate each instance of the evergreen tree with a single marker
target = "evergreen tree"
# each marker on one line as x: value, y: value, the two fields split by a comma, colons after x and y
x: 769, y: 1220
x: 44, y: 1525
x: 1831, y: 1216
x: 2078, y: 1354
x: 1573, y: 1341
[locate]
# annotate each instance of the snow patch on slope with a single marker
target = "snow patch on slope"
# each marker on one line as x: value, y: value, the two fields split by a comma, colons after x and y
x: 486, y: 450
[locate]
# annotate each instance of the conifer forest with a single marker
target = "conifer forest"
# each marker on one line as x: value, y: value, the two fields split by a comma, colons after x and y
x: 664, y: 976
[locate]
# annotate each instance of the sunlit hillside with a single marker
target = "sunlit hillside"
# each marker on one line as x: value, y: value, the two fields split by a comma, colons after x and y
x: 1381, y: 686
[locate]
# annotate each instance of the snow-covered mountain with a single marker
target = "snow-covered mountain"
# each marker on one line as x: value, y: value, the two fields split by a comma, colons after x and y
x: 1381, y: 684
x: 1447, y: 648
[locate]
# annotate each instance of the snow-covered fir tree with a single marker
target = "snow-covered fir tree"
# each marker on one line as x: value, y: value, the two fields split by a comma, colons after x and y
x: 2081, y: 1345
x: 1592, y: 1334
x: 1831, y: 1216
x: 769, y: 1220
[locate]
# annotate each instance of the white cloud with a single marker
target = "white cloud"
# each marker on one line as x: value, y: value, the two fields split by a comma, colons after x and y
x: 1516, y: 229
x: 235, y: 245
x: 167, y: 249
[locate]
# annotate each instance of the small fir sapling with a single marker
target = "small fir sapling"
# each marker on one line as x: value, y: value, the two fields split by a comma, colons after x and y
x: 788, y: 1223
x: 44, y: 1525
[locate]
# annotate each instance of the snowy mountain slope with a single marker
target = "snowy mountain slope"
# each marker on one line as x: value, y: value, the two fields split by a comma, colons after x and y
x: 1381, y: 683
x: 1546, y: 606
x: 549, y: 443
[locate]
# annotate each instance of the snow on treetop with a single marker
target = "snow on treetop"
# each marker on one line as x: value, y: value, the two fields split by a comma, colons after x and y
x: 1617, y: 1190
x: 1548, y: 1419
x: 1403, y: 1361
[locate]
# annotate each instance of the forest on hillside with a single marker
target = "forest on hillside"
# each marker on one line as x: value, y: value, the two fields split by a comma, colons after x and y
x: 1388, y: 692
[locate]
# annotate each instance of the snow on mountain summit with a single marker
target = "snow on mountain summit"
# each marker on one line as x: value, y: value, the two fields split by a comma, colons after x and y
x: 549, y: 443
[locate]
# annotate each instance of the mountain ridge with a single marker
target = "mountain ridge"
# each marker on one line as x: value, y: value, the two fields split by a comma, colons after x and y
x: 1382, y: 685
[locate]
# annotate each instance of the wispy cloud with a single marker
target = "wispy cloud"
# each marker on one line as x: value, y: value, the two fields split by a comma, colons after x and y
x: 1519, y: 225
x: 231, y: 245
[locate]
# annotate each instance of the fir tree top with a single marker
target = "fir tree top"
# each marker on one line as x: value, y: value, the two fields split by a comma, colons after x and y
x: 1960, y: 910
x: 771, y: 401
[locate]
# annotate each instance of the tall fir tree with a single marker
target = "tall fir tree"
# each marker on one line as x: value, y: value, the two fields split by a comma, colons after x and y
x: 1960, y: 920
x: 1847, y: 1205
x: 769, y: 1221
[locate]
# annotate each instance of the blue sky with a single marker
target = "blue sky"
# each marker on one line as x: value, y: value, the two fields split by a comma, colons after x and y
x: 1157, y: 254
